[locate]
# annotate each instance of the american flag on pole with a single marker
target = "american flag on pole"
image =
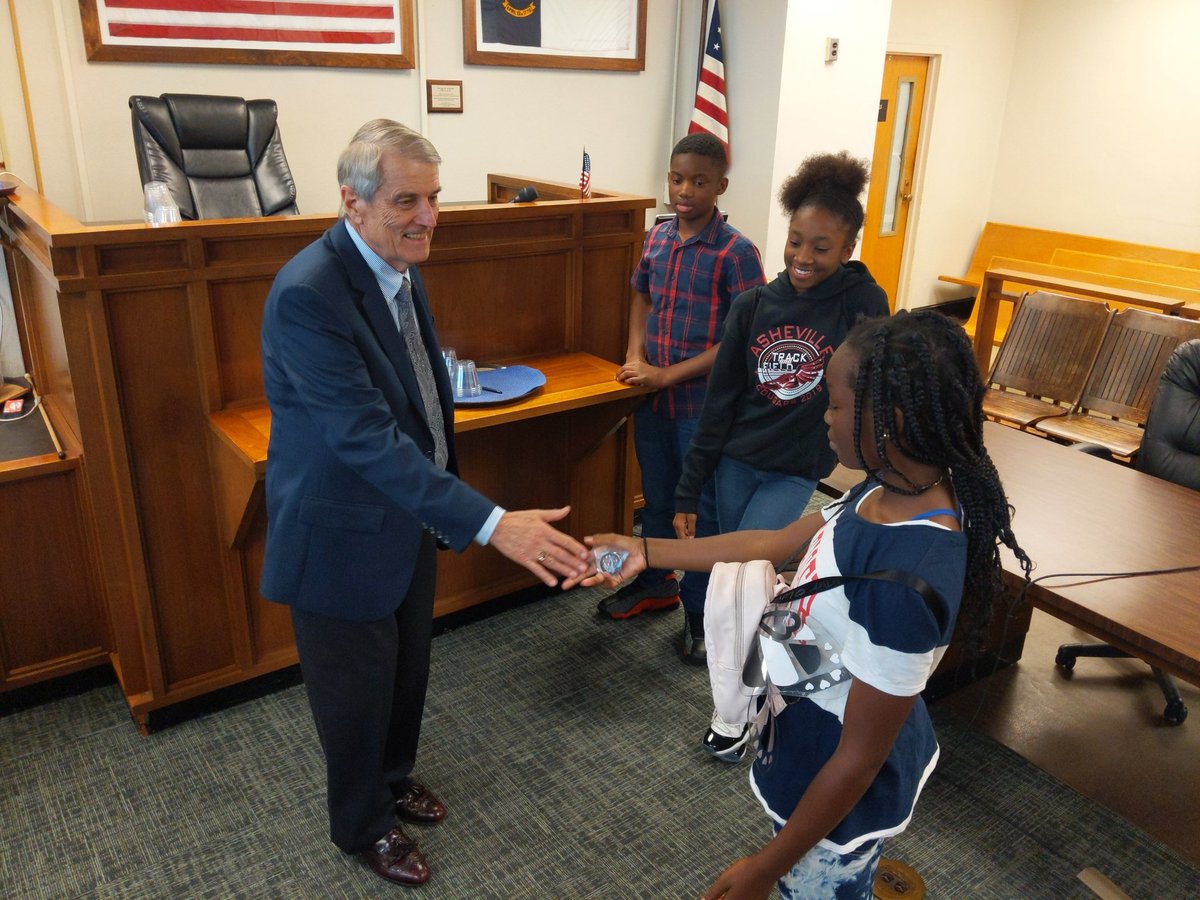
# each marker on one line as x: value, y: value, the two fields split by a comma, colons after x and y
x: 585, y: 177
x: 710, y: 112
x: 359, y: 26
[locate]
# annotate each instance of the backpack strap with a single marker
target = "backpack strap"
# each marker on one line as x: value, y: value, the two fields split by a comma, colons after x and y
x: 932, y: 598
x: 780, y: 623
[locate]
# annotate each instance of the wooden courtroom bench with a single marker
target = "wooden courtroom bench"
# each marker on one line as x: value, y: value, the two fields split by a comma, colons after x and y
x: 1117, y: 272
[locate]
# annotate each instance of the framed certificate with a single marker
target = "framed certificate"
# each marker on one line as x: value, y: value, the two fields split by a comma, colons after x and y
x: 443, y: 96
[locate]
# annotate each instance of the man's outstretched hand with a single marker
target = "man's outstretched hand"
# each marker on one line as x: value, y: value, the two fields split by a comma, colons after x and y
x: 528, y: 539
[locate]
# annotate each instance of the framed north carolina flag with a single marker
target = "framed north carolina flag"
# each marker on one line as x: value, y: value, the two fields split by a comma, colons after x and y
x: 556, y: 34
x: 356, y: 33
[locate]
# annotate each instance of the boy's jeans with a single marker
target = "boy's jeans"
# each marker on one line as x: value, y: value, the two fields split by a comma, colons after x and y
x: 661, y: 445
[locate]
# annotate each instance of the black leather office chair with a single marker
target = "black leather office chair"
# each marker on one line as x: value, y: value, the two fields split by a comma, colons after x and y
x: 221, y: 157
x: 1170, y: 450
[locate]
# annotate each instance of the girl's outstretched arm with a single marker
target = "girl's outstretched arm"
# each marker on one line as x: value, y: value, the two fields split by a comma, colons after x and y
x: 701, y: 554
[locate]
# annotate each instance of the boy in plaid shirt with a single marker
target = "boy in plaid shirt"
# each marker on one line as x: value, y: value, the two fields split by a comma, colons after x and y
x: 691, y: 269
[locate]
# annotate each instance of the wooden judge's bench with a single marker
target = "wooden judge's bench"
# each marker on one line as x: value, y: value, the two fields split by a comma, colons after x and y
x: 142, y: 546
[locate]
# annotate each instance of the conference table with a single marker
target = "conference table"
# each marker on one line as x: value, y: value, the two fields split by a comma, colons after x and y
x: 1076, y: 513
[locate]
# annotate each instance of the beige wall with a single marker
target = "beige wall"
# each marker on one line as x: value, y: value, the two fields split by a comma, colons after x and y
x: 1070, y: 114
x: 524, y: 121
x: 754, y: 42
x: 1102, y: 125
x: 972, y: 45
x: 825, y: 106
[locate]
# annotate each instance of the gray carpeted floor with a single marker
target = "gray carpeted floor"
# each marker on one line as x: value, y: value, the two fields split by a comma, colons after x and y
x: 567, y: 750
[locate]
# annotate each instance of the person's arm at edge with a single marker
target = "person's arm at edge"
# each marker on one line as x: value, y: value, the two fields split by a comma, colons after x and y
x: 639, y: 312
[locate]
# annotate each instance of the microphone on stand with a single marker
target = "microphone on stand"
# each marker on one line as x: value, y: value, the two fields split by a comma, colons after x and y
x: 526, y: 194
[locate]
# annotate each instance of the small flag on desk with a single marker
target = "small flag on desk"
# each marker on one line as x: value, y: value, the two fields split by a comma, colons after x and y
x: 585, y: 176
x: 710, y: 112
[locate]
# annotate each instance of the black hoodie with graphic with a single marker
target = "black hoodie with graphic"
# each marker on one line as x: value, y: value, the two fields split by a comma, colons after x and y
x: 766, y: 398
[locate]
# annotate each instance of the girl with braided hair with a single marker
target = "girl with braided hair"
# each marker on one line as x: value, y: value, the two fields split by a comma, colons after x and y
x: 910, y: 366
x: 760, y: 436
x: 839, y: 769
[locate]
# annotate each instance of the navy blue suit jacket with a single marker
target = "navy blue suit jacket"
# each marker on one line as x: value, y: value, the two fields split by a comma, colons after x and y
x: 351, y: 481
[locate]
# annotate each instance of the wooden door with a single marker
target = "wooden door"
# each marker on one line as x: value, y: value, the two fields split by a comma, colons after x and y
x: 893, y: 167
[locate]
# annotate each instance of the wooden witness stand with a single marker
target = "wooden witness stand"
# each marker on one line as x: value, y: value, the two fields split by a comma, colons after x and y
x: 145, y: 343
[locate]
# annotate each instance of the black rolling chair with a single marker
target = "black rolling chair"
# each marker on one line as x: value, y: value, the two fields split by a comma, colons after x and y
x: 1170, y: 450
x: 221, y: 157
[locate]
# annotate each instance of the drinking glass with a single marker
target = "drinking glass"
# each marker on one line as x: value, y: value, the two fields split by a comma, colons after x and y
x: 160, y: 205
x: 466, y: 379
x: 451, y: 359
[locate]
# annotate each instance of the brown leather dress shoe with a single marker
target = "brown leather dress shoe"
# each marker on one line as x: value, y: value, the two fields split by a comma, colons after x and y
x: 395, y: 857
x: 419, y: 805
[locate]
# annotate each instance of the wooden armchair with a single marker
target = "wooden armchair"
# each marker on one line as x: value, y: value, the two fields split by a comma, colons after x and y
x: 1112, y: 410
x: 1045, y: 358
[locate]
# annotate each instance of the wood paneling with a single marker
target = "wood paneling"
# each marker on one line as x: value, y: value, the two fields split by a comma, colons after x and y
x: 166, y: 428
x: 158, y: 256
x: 489, y: 309
x: 604, y: 326
x: 147, y: 341
x: 236, y: 308
x: 50, y: 619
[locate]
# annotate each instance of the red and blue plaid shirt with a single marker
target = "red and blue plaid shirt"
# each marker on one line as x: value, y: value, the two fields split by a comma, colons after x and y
x: 691, y: 285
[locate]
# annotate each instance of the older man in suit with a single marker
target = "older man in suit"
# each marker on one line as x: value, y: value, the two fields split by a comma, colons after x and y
x: 362, y: 486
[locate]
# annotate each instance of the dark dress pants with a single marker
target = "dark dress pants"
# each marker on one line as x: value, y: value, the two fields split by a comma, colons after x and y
x: 366, y: 686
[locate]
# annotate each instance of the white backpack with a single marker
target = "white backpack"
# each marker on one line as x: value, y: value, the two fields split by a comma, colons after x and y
x: 738, y: 594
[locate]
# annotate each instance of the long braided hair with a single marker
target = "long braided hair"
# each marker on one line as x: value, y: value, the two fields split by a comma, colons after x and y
x: 921, y: 364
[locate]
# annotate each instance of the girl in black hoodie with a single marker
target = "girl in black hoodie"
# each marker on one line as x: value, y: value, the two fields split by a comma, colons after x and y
x: 761, y: 433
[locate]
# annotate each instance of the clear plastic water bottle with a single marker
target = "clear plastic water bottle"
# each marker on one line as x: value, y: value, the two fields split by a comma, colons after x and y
x: 609, y: 560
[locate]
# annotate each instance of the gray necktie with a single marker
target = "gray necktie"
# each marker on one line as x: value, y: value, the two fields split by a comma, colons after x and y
x: 406, y: 320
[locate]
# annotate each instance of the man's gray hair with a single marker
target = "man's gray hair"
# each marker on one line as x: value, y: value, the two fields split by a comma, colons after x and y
x: 358, y: 165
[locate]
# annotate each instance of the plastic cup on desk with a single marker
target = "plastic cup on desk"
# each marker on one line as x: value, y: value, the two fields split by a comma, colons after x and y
x: 160, y: 205
x: 466, y: 379
x: 451, y: 360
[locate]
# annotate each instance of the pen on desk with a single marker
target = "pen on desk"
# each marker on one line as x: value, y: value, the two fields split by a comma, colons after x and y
x: 492, y: 390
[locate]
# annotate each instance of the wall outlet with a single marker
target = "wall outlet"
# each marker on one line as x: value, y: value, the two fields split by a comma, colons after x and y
x: 831, y: 49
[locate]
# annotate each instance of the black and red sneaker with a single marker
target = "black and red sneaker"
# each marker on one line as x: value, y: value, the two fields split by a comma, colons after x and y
x: 633, y: 600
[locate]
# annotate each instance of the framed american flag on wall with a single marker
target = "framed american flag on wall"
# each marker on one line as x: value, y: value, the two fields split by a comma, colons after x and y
x: 350, y: 33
